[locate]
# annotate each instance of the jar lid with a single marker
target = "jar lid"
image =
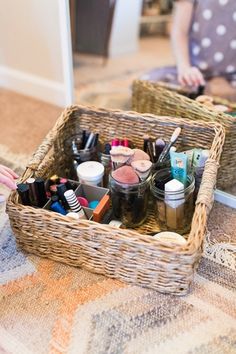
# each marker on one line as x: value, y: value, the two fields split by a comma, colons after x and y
x: 171, y: 237
x: 90, y: 170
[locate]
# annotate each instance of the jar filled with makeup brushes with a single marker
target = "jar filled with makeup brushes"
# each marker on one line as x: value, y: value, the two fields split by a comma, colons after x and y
x: 130, y: 201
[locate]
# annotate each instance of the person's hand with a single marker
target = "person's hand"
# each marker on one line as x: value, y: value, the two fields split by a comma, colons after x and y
x: 7, y: 177
x: 190, y: 76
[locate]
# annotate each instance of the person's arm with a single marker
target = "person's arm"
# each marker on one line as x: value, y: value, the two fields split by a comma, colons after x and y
x: 187, y: 74
x: 7, y: 177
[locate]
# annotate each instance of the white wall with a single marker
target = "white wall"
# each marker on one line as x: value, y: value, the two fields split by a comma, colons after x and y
x: 35, y: 50
x: 126, y: 26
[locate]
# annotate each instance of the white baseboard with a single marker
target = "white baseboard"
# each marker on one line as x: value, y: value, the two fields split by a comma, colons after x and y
x: 31, y: 85
x: 225, y: 198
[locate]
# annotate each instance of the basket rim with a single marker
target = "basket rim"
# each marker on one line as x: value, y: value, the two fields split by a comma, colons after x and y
x: 155, y: 86
x: 122, y: 234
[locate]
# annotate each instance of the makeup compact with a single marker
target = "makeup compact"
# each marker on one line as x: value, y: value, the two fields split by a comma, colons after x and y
x: 171, y: 238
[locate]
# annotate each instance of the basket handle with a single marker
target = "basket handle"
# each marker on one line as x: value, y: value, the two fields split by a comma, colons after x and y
x: 209, y: 178
x: 206, y: 191
x: 203, y: 204
x: 50, y: 138
x: 207, y: 187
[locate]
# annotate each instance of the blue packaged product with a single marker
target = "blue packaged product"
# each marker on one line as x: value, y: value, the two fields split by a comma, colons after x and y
x: 179, y: 166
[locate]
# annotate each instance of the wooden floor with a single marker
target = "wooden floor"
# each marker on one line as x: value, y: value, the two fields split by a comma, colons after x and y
x: 108, y: 84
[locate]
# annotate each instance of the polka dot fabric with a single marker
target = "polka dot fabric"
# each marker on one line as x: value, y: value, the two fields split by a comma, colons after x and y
x: 213, y: 37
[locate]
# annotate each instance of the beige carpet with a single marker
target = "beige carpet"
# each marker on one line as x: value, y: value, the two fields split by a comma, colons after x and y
x: 24, y: 122
x: 109, y: 84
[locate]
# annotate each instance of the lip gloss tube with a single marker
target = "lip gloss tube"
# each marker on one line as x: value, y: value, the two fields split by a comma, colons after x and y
x: 115, y: 143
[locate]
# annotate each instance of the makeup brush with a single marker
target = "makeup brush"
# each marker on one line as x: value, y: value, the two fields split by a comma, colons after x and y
x: 142, y: 168
x: 125, y: 174
x: 160, y: 144
x: 120, y: 155
x: 167, y: 147
x: 138, y: 155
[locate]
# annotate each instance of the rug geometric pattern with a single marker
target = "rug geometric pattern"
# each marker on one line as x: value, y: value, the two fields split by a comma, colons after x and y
x: 47, y: 307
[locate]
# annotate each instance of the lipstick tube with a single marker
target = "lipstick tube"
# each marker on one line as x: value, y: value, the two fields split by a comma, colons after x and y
x: 41, y: 192
x: 23, y: 191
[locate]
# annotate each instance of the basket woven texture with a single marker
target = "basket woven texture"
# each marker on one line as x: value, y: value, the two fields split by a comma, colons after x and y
x: 129, y: 255
x: 149, y: 97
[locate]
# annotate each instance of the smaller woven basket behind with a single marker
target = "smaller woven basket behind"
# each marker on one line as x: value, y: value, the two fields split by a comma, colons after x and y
x: 149, y: 97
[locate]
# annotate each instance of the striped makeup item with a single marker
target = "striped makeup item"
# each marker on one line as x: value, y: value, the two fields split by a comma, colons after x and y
x: 74, y: 204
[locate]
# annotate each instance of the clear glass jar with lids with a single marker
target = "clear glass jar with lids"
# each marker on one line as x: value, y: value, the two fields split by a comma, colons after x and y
x: 173, y: 209
x: 130, y: 201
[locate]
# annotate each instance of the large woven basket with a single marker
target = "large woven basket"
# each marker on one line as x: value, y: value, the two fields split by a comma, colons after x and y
x: 149, y: 97
x: 129, y: 255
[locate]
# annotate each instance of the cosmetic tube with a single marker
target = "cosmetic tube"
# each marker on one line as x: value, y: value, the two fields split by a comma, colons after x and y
x: 58, y: 208
x: 41, y: 192
x: 179, y: 162
x: 32, y: 191
x: 74, y: 204
x: 23, y: 191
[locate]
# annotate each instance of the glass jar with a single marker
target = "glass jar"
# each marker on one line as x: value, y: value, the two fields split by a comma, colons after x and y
x: 173, y: 210
x: 130, y: 201
x: 76, y: 155
x: 71, y: 148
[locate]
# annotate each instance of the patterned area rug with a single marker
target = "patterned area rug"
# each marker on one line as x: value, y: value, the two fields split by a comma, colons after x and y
x: 47, y: 307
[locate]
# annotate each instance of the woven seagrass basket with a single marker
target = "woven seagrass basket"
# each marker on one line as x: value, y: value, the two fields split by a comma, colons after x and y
x: 182, y: 91
x: 150, y: 97
x: 129, y: 255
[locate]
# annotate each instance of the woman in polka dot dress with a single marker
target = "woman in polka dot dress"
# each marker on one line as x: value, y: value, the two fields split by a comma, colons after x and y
x: 204, y: 42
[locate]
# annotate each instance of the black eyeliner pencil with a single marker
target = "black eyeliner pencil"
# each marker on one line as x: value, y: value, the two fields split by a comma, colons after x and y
x: 145, y: 143
x: 83, y: 141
